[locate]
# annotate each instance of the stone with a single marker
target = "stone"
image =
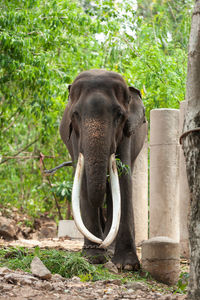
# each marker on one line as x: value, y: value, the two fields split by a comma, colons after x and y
x: 7, y: 287
x: 58, y: 286
x: 116, y: 282
x: 38, y: 269
x: 24, y: 232
x: 76, y: 279
x: 178, y: 297
x: 130, y: 291
x: 22, y: 279
x: 8, y: 228
x: 161, y: 258
x: 48, y: 230
x: 4, y: 270
x: 57, y: 277
x: 167, y: 297
x: 137, y: 286
x: 47, y: 286
x: 111, y: 267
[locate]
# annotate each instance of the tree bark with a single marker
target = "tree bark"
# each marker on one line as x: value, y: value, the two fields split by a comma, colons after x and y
x: 68, y: 214
x: 191, y: 148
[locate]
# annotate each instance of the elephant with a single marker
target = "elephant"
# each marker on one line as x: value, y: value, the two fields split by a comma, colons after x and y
x: 104, y: 119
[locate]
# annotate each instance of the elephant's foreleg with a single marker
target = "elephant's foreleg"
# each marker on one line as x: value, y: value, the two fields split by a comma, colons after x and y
x: 109, y: 218
x: 125, y: 256
x: 125, y: 251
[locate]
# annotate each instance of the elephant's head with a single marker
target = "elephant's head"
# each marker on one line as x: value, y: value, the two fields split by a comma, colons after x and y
x: 102, y: 111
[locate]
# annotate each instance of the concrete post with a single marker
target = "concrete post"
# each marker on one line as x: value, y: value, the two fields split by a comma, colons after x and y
x: 68, y: 228
x: 161, y: 258
x: 140, y: 194
x: 184, y: 194
x: 164, y: 153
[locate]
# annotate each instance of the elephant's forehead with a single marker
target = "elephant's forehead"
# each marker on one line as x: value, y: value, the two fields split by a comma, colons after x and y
x: 112, y: 89
x: 88, y: 84
x: 99, y: 74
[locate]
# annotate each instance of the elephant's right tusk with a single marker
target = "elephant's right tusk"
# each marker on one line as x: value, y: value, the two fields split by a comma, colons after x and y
x: 76, y: 201
x: 114, y: 181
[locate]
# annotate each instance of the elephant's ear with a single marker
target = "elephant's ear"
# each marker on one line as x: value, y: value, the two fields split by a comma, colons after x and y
x: 69, y: 87
x: 66, y: 124
x: 136, y: 113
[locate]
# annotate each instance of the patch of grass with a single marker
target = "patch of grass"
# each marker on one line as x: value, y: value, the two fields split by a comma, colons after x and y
x: 183, y: 283
x: 69, y: 264
x: 16, y: 258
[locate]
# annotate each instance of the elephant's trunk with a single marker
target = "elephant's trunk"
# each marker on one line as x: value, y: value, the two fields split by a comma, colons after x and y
x: 96, y: 173
x: 116, y: 202
x: 96, y: 151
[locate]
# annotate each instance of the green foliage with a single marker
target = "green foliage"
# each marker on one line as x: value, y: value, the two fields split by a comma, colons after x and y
x: 183, y: 283
x: 122, y: 168
x: 63, y: 190
x: 45, y: 44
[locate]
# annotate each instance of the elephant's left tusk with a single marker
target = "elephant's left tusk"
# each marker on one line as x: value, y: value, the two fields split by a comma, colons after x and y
x: 114, y: 181
x: 76, y: 201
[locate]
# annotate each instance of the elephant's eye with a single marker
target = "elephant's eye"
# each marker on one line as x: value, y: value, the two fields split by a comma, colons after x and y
x: 76, y: 115
x: 119, y: 115
x: 75, y: 122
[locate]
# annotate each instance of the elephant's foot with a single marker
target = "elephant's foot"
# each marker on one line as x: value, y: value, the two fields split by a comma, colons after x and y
x: 95, y: 255
x: 126, y: 261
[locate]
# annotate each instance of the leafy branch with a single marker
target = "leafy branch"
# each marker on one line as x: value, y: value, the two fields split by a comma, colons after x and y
x: 21, y: 150
x: 122, y: 168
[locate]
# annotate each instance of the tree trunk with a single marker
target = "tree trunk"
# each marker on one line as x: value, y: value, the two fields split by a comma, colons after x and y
x: 68, y: 214
x: 191, y: 148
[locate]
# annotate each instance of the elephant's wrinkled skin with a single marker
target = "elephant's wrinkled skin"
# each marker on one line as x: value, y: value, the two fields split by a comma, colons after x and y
x: 104, y: 116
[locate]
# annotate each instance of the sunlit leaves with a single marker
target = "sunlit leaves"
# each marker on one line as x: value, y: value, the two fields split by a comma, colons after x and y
x: 45, y: 44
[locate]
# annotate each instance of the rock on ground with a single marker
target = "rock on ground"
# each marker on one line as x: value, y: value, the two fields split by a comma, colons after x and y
x: 38, y: 269
x: 7, y: 228
x: 14, y: 226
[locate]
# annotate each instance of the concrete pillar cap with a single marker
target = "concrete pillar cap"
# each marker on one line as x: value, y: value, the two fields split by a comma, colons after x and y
x: 160, y: 239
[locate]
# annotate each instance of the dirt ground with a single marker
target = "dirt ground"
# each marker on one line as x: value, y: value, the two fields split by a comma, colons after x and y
x: 73, y: 289
x: 20, y: 285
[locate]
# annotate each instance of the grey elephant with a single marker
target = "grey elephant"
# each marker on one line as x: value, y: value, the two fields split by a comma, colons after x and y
x: 104, y: 119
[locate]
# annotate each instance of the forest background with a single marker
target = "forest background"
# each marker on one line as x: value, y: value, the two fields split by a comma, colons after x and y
x: 43, y: 46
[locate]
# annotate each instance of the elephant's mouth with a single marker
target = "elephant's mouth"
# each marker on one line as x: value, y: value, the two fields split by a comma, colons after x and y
x: 114, y: 181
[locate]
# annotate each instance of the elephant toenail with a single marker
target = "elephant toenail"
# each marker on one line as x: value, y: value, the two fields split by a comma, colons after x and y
x: 119, y: 266
x: 128, y: 267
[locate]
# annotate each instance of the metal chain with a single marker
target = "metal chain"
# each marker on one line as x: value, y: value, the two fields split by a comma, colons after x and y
x: 91, y: 247
x: 187, y: 132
